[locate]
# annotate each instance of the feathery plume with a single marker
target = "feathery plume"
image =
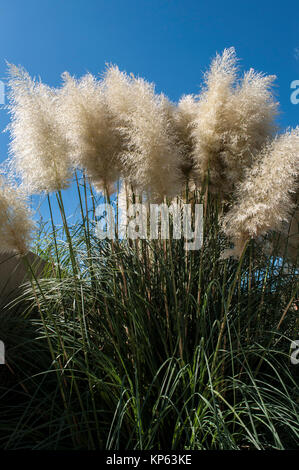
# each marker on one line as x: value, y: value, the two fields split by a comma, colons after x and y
x: 210, y: 122
x: 152, y: 156
x: 94, y: 139
x: 38, y: 149
x: 183, y: 117
x: 250, y: 115
x: 234, y: 121
x: 15, y: 222
x: 266, y: 197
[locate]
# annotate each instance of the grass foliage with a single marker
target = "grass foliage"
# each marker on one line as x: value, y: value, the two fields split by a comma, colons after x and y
x: 144, y: 345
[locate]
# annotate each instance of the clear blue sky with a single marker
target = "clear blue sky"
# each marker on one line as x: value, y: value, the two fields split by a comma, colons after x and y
x: 169, y: 42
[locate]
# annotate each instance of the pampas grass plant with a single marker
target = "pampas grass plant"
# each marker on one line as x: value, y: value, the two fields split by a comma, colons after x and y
x: 142, y: 344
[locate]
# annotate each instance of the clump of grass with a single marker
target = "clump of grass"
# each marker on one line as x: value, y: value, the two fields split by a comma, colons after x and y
x: 140, y: 343
x: 148, y: 346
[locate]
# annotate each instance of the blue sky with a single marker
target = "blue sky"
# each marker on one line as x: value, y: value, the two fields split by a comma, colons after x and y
x: 169, y: 42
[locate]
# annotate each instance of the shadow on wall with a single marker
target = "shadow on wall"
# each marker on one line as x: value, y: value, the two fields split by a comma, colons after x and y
x: 13, y: 273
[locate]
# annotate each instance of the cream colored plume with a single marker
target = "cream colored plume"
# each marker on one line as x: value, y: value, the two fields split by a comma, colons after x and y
x: 38, y: 148
x: 210, y: 123
x: 250, y: 116
x: 235, y: 118
x: 15, y: 222
x: 265, y: 200
x: 152, y: 156
x: 94, y: 139
x: 183, y: 116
